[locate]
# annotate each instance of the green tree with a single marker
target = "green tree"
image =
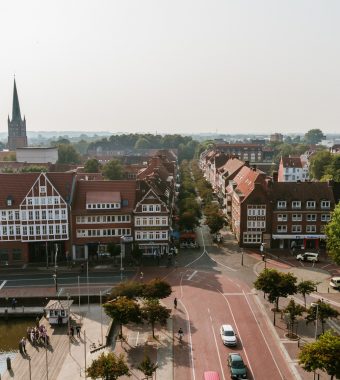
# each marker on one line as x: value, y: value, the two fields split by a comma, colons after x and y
x: 128, y: 289
x: 92, y: 166
x: 33, y: 169
x: 215, y: 221
x: 108, y: 367
x: 67, y: 154
x: 333, y: 169
x: 305, y: 288
x: 322, y: 354
x: 314, y: 136
x: 153, y: 312
x: 319, y: 162
x: 332, y: 232
x: 188, y: 220
x: 142, y: 143
x: 322, y: 313
x: 147, y: 367
x: 293, y: 310
x: 123, y: 310
x: 156, y: 288
x: 276, y: 284
x: 113, y: 170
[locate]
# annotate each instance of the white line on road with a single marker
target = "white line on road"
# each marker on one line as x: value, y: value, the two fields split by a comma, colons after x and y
x: 238, y: 332
x: 264, y: 338
x: 190, y: 341
x: 218, y: 352
x: 192, y: 275
x: 137, y: 338
x: 3, y: 284
x: 225, y: 266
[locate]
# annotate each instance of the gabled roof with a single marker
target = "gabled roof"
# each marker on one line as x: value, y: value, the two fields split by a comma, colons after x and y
x: 231, y: 167
x: 291, y: 162
x: 103, y: 197
x: 302, y: 191
x: 126, y: 188
x: 246, y: 179
x: 17, y: 185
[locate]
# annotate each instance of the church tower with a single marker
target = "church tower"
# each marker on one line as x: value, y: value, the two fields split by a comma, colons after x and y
x: 17, y: 137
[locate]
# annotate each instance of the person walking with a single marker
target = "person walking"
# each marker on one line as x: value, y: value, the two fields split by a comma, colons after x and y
x: 23, y: 342
x: 175, y: 303
x: 72, y: 331
x: 78, y: 331
x: 14, y: 303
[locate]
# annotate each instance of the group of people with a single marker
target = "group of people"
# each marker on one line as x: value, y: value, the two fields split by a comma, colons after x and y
x: 22, y: 346
x: 72, y: 329
x: 37, y: 335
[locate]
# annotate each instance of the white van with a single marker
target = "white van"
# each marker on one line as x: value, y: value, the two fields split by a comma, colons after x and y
x: 335, y: 282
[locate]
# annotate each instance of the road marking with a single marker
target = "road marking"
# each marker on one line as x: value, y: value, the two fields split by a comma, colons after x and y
x: 237, y: 294
x: 264, y: 338
x: 225, y: 266
x: 218, y: 352
x: 325, y: 266
x: 238, y: 332
x: 3, y: 284
x: 137, y: 338
x: 190, y: 341
x: 192, y: 275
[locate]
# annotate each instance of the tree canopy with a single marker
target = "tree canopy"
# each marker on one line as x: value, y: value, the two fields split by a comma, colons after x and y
x: 108, y: 367
x: 332, y: 231
x: 276, y: 284
x: 314, y: 136
x: 319, y: 162
x: 92, y: 166
x: 322, y: 354
x: 153, y: 312
x: 322, y: 313
x: 113, y: 170
x: 67, y: 154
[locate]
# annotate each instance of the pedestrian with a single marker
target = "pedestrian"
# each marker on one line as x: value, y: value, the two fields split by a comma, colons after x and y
x: 14, y: 303
x: 72, y: 331
x: 24, y: 345
x: 175, y: 303
x: 78, y: 331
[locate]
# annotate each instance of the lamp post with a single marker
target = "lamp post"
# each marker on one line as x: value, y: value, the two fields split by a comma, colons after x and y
x: 122, y: 247
x: 242, y: 253
x: 315, y: 304
x: 263, y: 253
x: 101, y: 315
x: 55, y: 278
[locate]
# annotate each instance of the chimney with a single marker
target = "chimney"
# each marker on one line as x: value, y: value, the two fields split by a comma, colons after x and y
x: 246, y: 163
x: 275, y: 176
x: 254, y: 167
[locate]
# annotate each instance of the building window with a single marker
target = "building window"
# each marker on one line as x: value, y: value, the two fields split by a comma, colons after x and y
x: 296, y: 204
x: 137, y: 221
x: 252, y: 238
x: 157, y: 208
x: 281, y: 204
x: 144, y: 208
x: 296, y: 228
x: 31, y: 230
x: 310, y: 204
x: 311, y: 217
x: 297, y: 217
x: 311, y: 228
x: 30, y: 215
x: 281, y: 228
x: 325, y: 204
x: 282, y: 217
x: 325, y: 217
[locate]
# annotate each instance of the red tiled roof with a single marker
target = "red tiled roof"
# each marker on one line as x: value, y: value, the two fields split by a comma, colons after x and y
x: 231, y: 167
x: 17, y: 185
x: 291, y: 162
x: 126, y: 188
x: 103, y: 197
x: 246, y: 179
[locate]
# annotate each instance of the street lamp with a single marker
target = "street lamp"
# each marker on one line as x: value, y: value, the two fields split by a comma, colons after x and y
x: 242, y: 252
x: 263, y: 255
x: 316, y: 304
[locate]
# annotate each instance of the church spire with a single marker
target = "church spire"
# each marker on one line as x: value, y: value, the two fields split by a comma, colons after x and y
x: 16, y: 115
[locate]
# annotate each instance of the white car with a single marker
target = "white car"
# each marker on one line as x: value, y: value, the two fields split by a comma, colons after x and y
x: 308, y: 256
x: 228, y: 335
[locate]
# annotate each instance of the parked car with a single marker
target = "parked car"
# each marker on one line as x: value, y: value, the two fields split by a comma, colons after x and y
x: 228, y: 335
x: 308, y: 256
x: 335, y: 282
x: 238, y: 370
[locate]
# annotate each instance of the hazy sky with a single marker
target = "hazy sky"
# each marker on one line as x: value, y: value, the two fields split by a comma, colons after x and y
x: 172, y: 66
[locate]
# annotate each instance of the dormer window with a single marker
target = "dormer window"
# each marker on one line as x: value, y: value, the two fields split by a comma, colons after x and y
x: 9, y: 201
x: 310, y: 204
x: 42, y: 189
x: 325, y: 204
x: 296, y: 204
x: 281, y: 204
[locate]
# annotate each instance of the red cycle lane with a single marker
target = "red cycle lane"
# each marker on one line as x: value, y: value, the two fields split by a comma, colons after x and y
x: 211, y: 300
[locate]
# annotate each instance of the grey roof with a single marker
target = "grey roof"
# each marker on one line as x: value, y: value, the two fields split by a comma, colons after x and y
x: 58, y: 304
